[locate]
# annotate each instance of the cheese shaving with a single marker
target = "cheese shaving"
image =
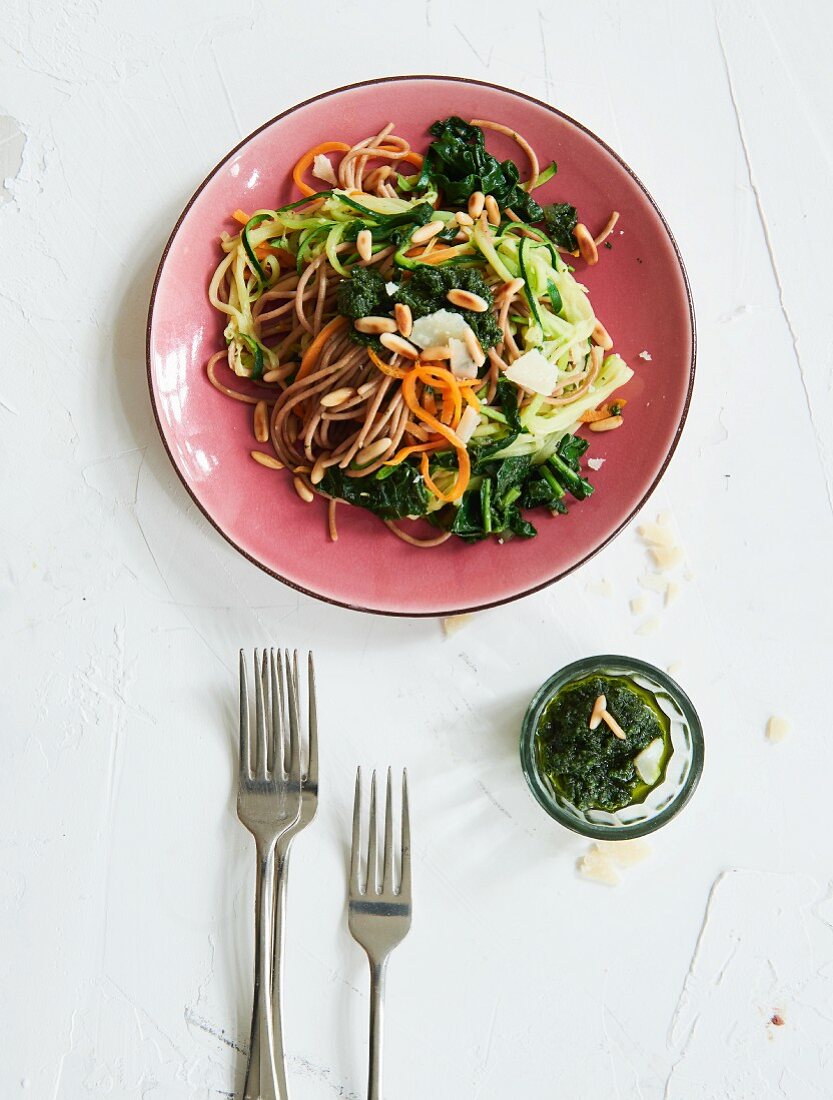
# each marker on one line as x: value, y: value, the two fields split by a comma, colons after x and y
x: 597, y: 866
x: 639, y: 605
x: 601, y: 587
x: 777, y: 728
x: 322, y: 169
x: 650, y: 626
x: 674, y: 668
x: 625, y: 853
x: 672, y: 591
x: 656, y: 534
x: 666, y: 557
x: 653, y: 582
x: 454, y: 623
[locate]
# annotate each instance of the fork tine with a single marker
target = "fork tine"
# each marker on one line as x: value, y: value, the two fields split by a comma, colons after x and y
x: 260, y: 720
x: 372, y: 842
x: 312, y: 757
x: 356, y: 884
x: 275, y: 739
x: 387, y: 866
x: 245, y: 758
x: 294, y: 767
x: 405, y: 871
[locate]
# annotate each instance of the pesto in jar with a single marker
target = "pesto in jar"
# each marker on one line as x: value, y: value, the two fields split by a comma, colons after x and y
x: 593, y: 768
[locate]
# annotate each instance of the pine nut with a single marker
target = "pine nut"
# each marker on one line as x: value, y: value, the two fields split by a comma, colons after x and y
x: 261, y: 422
x: 511, y: 289
x: 372, y: 451
x: 473, y: 347
x: 466, y: 300
x: 606, y: 425
x: 319, y: 469
x: 586, y: 244
x: 426, y: 232
x: 429, y: 355
x: 303, y: 490
x: 463, y: 218
x: 613, y: 725
x: 599, y: 707
x: 373, y: 326
x: 476, y: 202
x: 404, y: 318
x: 330, y: 400
x: 267, y: 460
x: 396, y: 344
x: 364, y: 244
x: 492, y: 210
x: 601, y: 336
x: 272, y: 376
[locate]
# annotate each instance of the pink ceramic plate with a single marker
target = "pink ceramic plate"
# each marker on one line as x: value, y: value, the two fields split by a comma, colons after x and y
x: 639, y: 289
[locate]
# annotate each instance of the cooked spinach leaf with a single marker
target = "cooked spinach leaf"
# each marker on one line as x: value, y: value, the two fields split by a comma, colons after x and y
x: 394, y: 496
x: 560, y: 219
x: 427, y: 289
x: 458, y: 164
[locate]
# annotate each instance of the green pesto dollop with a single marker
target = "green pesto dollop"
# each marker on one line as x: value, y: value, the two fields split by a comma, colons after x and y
x: 592, y: 768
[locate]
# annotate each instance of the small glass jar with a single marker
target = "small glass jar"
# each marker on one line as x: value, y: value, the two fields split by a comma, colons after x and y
x: 682, y: 772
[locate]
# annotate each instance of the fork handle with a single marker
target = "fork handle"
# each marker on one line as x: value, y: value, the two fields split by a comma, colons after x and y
x: 378, y: 969
x: 261, y: 1050
x: 276, y: 958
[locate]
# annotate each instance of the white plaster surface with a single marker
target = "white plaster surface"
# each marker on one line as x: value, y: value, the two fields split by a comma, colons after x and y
x: 126, y: 881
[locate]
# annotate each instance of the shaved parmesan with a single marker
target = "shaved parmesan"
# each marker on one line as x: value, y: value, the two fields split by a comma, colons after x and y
x: 534, y: 372
x: 639, y: 605
x: 468, y: 422
x: 777, y: 728
x: 653, y: 582
x: 647, y: 762
x: 454, y: 623
x: 645, y: 355
x: 666, y: 557
x: 597, y: 866
x: 664, y: 518
x: 601, y: 587
x: 672, y: 591
x: 595, y: 463
x: 322, y: 169
x: 659, y: 536
x: 462, y: 364
x: 650, y: 626
x: 674, y: 668
x: 625, y: 852
x: 391, y: 289
x: 436, y: 329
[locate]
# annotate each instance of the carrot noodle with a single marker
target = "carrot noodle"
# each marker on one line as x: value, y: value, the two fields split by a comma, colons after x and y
x: 277, y: 289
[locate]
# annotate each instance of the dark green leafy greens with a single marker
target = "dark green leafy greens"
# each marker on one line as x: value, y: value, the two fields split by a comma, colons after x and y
x: 560, y: 219
x: 508, y: 486
x: 364, y: 295
x: 397, y: 495
x: 426, y: 291
x: 594, y: 769
x: 458, y: 163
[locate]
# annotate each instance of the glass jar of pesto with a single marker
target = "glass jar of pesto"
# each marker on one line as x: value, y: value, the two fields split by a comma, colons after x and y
x: 612, y: 747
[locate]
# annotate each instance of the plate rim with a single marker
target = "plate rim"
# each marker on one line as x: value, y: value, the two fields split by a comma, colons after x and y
x: 505, y: 599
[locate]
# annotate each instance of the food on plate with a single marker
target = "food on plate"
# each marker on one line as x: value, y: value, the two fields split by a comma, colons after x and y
x: 413, y: 339
x: 603, y: 742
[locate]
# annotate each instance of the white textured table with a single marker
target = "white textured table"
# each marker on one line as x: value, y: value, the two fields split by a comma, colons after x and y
x: 126, y: 890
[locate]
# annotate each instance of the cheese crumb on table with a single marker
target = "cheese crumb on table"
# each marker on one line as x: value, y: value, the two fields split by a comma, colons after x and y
x: 597, y: 866
x: 672, y: 591
x: 602, y: 587
x: 639, y: 605
x: 645, y: 355
x: 625, y: 853
x: 454, y: 623
x: 650, y: 626
x: 654, y: 582
x: 777, y: 728
x: 674, y: 668
x: 666, y: 557
x: 657, y: 534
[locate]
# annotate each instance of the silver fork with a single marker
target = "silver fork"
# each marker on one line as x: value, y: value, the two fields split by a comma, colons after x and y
x: 268, y: 804
x: 309, y: 805
x: 379, y: 917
